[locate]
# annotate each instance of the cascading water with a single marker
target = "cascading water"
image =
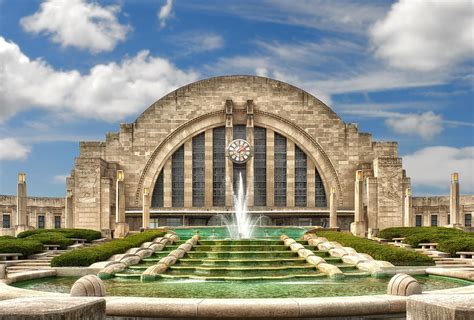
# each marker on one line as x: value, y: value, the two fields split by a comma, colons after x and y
x: 240, y: 224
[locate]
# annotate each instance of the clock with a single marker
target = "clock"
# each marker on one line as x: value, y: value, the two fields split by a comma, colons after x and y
x: 239, y: 151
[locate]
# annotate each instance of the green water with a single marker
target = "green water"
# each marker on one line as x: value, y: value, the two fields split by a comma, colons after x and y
x: 321, y: 287
x: 259, y: 232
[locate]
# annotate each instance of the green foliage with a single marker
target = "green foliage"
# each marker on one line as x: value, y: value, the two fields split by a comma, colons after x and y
x: 449, y: 240
x: 86, y: 256
x: 51, y: 238
x: 13, y: 245
x: 87, y: 234
x: 457, y: 244
x: 397, y: 256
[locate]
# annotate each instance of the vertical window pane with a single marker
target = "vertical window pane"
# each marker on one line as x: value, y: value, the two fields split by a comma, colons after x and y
x: 280, y: 170
x: 198, y: 170
x: 260, y: 166
x: 300, y: 177
x: 418, y: 220
x: 434, y: 220
x: 41, y: 222
x: 177, y: 178
x: 218, y: 170
x: 157, y: 197
x: 240, y: 169
x: 6, y: 222
x: 468, y: 220
x: 57, y: 222
x: 239, y: 131
x: 319, y: 191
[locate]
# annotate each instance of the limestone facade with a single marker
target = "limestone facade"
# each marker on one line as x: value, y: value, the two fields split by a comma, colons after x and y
x: 144, y: 151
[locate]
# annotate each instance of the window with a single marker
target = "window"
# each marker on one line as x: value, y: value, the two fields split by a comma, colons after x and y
x: 449, y: 218
x: 154, y: 223
x: 260, y: 167
x: 57, y: 222
x: 304, y: 222
x: 218, y: 169
x: 418, y: 222
x: 173, y: 222
x: 40, y: 222
x: 157, y: 197
x: 280, y: 170
x: 239, y: 131
x: 434, y: 220
x: 320, y: 194
x: 177, y: 178
x: 468, y: 220
x: 6, y: 220
x: 198, y: 170
x: 300, y: 177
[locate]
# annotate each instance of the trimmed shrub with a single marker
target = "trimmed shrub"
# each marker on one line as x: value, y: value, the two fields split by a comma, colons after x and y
x: 449, y: 240
x: 25, y: 247
x: 51, y: 238
x: 87, y: 234
x: 457, y: 244
x: 86, y: 256
x: 397, y: 256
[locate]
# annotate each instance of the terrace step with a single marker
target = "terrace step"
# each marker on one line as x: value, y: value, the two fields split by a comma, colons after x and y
x: 240, y: 247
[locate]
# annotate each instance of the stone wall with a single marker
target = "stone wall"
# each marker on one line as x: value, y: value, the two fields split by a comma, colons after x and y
x: 141, y: 148
x: 49, y: 207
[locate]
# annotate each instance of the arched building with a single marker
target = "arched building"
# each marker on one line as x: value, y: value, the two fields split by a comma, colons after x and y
x: 178, y: 164
x: 296, y: 156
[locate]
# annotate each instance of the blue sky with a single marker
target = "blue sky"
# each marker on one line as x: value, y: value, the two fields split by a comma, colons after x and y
x: 72, y: 70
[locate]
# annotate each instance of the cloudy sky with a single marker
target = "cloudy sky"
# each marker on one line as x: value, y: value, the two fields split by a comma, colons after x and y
x: 72, y: 70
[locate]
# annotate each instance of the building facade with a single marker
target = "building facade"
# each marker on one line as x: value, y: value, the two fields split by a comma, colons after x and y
x: 180, y: 162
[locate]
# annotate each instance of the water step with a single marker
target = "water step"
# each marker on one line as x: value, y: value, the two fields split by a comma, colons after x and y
x: 240, y: 254
x: 240, y: 247
x: 244, y: 278
x: 241, y: 242
x: 242, y: 262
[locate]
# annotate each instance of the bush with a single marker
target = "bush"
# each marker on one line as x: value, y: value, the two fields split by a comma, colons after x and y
x: 25, y: 247
x: 397, y: 256
x: 51, y: 238
x: 457, y: 244
x: 86, y: 256
x: 87, y: 234
x: 449, y: 240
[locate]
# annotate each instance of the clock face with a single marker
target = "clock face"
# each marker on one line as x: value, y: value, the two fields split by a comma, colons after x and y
x: 239, y: 151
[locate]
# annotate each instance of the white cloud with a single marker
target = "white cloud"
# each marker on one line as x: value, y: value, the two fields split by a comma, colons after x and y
x: 432, y: 167
x: 60, y: 178
x: 108, y: 91
x: 165, y: 12
x: 196, y: 42
x: 78, y: 23
x: 426, y: 125
x: 425, y: 35
x: 11, y: 149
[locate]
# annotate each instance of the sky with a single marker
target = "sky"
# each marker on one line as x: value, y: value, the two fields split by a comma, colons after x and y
x: 73, y: 70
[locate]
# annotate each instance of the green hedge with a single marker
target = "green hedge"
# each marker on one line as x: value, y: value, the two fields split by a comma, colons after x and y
x: 397, y: 256
x: 26, y: 247
x: 87, y: 234
x: 86, y: 256
x: 449, y: 240
x: 51, y: 238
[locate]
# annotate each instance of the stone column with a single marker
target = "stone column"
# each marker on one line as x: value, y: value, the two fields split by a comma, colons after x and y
x: 454, y: 202
x: 208, y: 146
x: 358, y: 226
x: 167, y: 196
x: 310, y: 182
x: 188, y: 173
x: 290, y: 173
x: 146, y: 209
x: 372, y: 206
x: 270, y: 168
x: 250, y: 166
x: 68, y: 212
x: 21, y: 205
x: 333, y: 208
x: 408, y: 210
x: 229, y: 166
x: 121, y: 227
